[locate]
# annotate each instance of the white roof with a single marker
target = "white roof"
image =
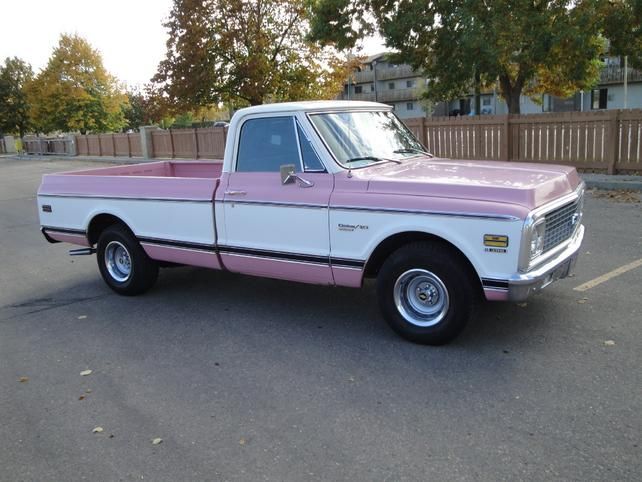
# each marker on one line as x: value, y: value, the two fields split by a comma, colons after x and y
x: 312, y: 105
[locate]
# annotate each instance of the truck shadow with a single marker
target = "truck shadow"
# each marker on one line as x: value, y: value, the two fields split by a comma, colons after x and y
x: 353, y: 311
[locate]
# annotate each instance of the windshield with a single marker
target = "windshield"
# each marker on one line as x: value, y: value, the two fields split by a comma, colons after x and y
x: 359, y: 139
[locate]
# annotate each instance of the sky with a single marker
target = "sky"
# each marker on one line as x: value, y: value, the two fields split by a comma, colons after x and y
x: 128, y: 33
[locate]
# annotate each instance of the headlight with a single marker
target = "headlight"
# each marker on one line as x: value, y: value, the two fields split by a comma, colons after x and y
x: 537, y: 239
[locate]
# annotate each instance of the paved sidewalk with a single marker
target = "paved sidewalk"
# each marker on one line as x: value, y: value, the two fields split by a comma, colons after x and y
x: 597, y: 181
x: 614, y: 181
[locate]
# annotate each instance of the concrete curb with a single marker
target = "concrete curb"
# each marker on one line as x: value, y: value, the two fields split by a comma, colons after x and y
x: 613, y: 182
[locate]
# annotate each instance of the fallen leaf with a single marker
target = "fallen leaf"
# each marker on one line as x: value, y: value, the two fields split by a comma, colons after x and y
x: 609, y: 343
x: 351, y: 379
x: 84, y: 373
x: 97, y: 430
x: 82, y: 317
x: 88, y: 390
x: 581, y: 301
x: 23, y: 379
x: 242, y: 441
x: 522, y: 305
x: 157, y: 441
x: 82, y: 397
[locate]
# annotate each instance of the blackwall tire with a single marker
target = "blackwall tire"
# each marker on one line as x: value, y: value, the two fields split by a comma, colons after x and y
x: 123, y: 263
x: 426, y: 292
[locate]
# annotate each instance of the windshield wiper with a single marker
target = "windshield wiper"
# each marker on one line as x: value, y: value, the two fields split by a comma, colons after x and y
x: 411, y: 150
x: 371, y: 158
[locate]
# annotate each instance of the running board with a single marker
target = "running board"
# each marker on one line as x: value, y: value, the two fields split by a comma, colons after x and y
x: 81, y: 251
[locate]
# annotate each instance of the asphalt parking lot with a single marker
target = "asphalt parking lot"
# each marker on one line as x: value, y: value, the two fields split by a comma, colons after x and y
x: 254, y: 379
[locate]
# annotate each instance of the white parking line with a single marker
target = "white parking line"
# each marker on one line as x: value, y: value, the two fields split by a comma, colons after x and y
x: 607, y: 276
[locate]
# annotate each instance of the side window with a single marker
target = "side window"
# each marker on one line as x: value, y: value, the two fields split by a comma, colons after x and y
x: 266, y: 144
x: 311, y: 161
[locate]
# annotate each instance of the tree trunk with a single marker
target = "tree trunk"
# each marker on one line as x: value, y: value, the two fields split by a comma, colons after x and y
x: 511, y: 92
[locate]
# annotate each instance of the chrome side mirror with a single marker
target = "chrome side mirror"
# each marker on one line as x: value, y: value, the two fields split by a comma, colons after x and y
x: 289, y: 175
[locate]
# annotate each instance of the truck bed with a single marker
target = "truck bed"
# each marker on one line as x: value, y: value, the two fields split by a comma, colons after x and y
x: 170, y: 180
x: 167, y: 205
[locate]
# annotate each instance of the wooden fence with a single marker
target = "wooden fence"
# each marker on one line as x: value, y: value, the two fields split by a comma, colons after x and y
x: 604, y: 140
x: 61, y: 146
x: 115, y: 145
x: 609, y: 140
x: 201, y: 143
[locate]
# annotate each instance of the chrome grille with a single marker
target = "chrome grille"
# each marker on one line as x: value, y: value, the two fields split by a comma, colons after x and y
x: 561, y: 224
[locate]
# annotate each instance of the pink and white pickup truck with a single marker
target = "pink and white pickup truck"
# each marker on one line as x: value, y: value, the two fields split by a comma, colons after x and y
x: 331, y: 193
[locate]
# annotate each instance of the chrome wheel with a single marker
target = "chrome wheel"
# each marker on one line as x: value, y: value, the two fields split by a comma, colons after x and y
x: 421, y: 297
x: 118, y: 261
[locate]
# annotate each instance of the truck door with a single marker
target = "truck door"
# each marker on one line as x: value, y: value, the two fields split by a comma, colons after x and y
x: 274, y: 229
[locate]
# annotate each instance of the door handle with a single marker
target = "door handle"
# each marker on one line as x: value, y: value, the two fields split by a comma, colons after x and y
x: 236, y: 193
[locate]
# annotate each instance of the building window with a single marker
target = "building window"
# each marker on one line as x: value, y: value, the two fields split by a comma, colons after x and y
x: 486, y: 101
x: 371, y: 87
x: 391, y: 85
x: 345, y: 88
x: 371, y: 66
x: 410, y: 83
x: 358, y: 89
x: 410, y: 106
x: 599, y: 98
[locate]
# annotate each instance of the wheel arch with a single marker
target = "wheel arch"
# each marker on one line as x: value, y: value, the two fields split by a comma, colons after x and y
x: 395, y: 241
x: 101, y: 221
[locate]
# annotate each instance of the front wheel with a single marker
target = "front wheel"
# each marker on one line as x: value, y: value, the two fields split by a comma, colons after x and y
x: 426, y: 293
x: 123, y: 263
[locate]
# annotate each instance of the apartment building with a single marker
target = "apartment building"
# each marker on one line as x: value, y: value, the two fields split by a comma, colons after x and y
x: 398, y: 85
x: 379, y: 80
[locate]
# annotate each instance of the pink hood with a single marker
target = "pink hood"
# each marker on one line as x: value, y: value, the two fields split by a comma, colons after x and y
x: 524, y: 184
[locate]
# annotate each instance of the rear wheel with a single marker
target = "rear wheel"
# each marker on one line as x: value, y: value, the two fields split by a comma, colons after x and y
x: 123, y: 263
x: 426, y: 293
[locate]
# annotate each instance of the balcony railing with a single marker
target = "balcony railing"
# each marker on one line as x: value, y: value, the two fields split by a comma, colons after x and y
x: 614, y: 74
x: 396, y: 72
x: 362, y: 96
x: 363, y: 76
x: 396, y: 95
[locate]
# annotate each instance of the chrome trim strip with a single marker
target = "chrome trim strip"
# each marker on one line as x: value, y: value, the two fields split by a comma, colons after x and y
x: 77, y: 232
x: 500, y: 217
x: 272, y: 203
x: 177, y: 244
x: 125, y: 198
x: 267, y: 258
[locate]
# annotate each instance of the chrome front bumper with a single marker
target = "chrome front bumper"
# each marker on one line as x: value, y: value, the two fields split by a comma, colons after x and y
x: 521, y: 285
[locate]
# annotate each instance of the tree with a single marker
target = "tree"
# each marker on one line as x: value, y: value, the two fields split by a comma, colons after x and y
x: 527, y: 46
x: 244, y: 52
x: 75, y: 92
x: 14, y: 105
x: 145, y: 107
x: 623, y: 28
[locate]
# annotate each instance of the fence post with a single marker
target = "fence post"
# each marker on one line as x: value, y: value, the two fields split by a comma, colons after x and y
x: 9, y: 145
x: 195, y: 138
x: 72, y: 148
x: 146, y: 146
x: 506, y: 139
x: 612, y: 141
x: 422, y: 132
x: 171, y: 143
x: 129, y: 145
